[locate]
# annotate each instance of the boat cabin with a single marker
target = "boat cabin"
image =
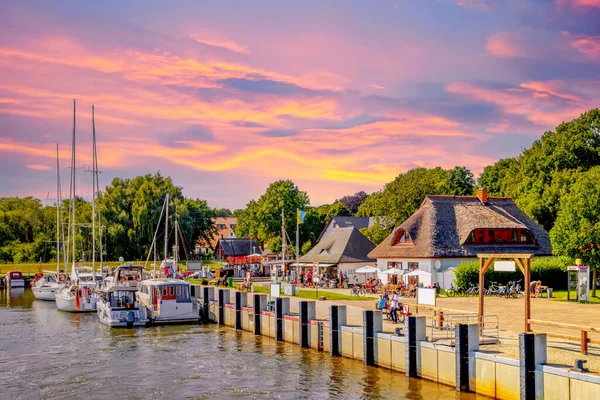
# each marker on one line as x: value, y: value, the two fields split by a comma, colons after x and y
x: 167, y: 300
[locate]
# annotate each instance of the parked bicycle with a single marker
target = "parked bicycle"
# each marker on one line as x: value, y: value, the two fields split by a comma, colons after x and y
x: 357, y: 291
x: 452, y: 292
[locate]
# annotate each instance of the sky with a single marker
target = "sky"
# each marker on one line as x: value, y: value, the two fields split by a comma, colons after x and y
x: 338, y: 96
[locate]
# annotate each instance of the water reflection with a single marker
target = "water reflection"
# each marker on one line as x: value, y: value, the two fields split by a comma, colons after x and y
x: 66, y: 354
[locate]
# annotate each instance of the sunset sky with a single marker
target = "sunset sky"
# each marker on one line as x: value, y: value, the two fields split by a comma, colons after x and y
x: 339, y: 96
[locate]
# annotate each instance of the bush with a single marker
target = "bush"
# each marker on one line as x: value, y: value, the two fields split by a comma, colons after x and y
x: 550, y: 270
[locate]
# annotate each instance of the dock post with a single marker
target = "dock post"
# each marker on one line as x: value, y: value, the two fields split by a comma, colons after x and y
x: 260, y: 304
x: 208, y: 295
x: 415, y: 332
x: 241, y: 300
x: 223, y: 299
x: 372, y: 324
x: 461, y: 348
x: 308, y: 311
x: 337, y: 319
x: 282, y: 307
x: 527, y: 365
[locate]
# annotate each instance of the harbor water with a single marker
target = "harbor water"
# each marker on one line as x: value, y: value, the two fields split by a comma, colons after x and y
x: 46, y: 353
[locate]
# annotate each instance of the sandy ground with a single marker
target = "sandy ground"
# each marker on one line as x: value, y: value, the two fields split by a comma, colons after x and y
x: 510, y: 314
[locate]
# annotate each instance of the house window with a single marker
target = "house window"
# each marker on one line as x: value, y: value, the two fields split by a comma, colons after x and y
x: 324, y: 251
x: 413, y: 266
x: 394, y: 264
x: 221, y: 226
x: 232, y: 226
x: 401, y: 237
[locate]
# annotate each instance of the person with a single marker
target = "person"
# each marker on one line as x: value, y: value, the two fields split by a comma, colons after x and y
x: 381, y: 303
x: 171, y: 272
x: 394, y: 307
x: 532, y: 288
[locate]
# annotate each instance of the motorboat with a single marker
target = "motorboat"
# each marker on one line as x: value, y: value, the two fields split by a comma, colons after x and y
x: 14, y: 279
x: 168, y: 301
x: 116, y: 299
x: 118, y: 307
x: 45, y: 287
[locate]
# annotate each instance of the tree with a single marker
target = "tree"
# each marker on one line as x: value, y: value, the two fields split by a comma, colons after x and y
x: 377, y: 232
x: 576, y: 233
x: 493, y: 178
x: 543, y: 173
x: 353, y: 201
x: 461, y: 181
x: 261, y: 219
x: 222, y: 212
x: 327, y: 211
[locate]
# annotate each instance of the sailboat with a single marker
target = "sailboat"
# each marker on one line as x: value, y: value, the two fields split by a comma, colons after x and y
x: 46, y: 287
x: 167, y: 300
x: 79, y: 296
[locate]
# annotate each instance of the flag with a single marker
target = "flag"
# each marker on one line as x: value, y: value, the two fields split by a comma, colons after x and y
x: 300, y: 214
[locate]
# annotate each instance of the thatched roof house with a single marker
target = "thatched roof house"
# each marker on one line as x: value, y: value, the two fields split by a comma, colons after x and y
x: 447, y: 229
x: 236, y: 247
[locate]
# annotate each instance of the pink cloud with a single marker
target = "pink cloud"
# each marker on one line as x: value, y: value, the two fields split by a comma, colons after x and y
x: 589, y: 46
x: 578, y: 3
x: 38, y: 167
x: 506, y: 44
x: 481, y: 5
x: 211, y: 38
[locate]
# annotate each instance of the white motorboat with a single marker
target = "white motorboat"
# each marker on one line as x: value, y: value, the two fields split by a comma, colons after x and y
x: 116, y: 300
x: 168, y: 301
x: 45, y: 288
x: 14, y: 279
x: 77, y: 297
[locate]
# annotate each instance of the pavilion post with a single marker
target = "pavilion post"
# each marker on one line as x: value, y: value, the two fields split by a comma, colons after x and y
x: 481, y: 294
x: 527, y: 294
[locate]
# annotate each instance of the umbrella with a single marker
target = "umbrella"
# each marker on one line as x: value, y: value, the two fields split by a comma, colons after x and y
x: 394, y: 271
x: 366, y: 270
x: 418, y: 272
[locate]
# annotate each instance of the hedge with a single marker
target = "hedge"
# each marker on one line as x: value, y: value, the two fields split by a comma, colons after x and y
x: 552, y: 271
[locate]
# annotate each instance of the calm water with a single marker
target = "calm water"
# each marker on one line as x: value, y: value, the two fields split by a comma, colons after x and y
x: 45, y: 353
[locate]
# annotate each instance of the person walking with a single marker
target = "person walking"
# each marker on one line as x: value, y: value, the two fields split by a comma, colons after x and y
x: 394, y: 307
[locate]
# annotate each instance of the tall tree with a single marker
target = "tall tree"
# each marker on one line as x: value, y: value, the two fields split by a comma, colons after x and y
x: 353, y: 201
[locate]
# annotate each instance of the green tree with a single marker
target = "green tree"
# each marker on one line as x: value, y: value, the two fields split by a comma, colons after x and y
x: 377, y: 232
x: 461, y: 181
x: 327, y: 211
x: 576, y: 233
x: 494, y: 177
x: 353, y: 201
x: 222, y: 212
x: 261, y: 219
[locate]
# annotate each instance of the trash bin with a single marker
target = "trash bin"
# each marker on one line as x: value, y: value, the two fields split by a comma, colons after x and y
x: 549, y: 292
x: 230, y: 282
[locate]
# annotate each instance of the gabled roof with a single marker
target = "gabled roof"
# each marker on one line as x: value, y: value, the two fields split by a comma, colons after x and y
x: 226, y: 232
x: 348, y: 222
x: 237, y: 247
x: 341, y: 245
x: 441, y: 226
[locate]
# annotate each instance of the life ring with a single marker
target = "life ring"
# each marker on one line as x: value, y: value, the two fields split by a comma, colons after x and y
x: 405, y: 309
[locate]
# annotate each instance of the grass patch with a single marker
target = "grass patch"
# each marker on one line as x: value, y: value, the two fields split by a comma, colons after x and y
x: 32, y: 269
x: 561, y: 295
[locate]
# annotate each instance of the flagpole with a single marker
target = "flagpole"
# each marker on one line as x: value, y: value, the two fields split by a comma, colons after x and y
x: 297, y: 242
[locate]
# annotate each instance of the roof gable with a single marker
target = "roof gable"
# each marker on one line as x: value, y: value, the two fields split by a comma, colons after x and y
x: 340, y: 245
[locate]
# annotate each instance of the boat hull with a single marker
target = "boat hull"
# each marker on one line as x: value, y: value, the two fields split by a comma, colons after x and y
x: 64, y: 303
x: 47, y: 293
x: 121, y: 318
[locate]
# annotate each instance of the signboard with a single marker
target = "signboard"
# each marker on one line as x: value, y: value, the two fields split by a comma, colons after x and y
x: 504, y: 266
x: 315, y: 268
x: 426, y: 296
x: 315, y: 279
x: 275, y: 289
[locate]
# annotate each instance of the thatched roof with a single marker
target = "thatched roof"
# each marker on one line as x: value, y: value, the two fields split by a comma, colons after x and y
x: 441, y: 226
x: 341, y: 245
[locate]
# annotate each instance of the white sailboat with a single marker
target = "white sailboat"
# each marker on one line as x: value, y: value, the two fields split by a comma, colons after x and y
x: 167, y: 300
x: 79, y: 295
x: 46, y: 287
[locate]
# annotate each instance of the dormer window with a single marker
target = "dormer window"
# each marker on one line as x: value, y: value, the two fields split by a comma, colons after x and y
x: 500, y: 236
x: 401, y: 237
x: 324, y: 251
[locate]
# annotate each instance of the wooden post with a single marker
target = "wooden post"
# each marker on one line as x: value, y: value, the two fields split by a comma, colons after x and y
x: 584, y: 342
x: 527, y: 294
x: 481, y: 295
x: 441, y: 320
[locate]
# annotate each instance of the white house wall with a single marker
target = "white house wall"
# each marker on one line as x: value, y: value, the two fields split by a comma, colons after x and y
x: 444, y: 278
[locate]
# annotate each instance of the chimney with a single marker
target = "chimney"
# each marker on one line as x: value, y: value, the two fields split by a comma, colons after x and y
x: 482, y: 195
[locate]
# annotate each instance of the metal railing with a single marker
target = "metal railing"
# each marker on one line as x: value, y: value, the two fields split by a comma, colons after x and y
x: 443, y: 325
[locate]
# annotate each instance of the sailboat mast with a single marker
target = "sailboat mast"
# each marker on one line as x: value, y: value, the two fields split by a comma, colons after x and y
x: 283, y: 242
x: 93, y: 197
x: 166, y: 225
x: 176, y: 247
x: 57, y: 213
x: 96, y: 173
x: 73, y: 176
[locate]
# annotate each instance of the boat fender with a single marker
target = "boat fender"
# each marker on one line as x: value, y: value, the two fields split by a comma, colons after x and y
x: 130, y: 318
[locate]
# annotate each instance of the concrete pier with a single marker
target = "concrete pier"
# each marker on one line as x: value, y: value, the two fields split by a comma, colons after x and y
x: 463, y: 366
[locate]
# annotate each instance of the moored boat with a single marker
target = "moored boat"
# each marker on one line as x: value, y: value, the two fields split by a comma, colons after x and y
x: 168, y: 301
x: 45, y: 288
x: 77, y: 297
x: 14, y: 279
